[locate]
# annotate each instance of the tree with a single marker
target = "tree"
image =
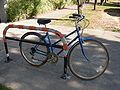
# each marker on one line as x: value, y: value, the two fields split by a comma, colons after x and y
x: 102, y: 1
x: 106, y: 1
x: 3, y: 16
x: 95, y: 4
x: 80, y: 5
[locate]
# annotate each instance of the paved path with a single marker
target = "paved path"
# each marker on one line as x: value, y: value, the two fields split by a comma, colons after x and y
x: 19, y: 75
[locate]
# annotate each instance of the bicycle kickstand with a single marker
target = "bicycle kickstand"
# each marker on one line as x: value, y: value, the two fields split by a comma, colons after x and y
x: 65, y: 74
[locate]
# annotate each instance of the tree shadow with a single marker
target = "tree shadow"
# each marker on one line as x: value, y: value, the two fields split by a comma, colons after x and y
x: 113, y: 11
x: 47, y: 77
x: 70, y: 8
x: 112, y: 4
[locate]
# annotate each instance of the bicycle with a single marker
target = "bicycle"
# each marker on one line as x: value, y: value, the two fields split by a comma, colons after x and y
x: 87, y: 58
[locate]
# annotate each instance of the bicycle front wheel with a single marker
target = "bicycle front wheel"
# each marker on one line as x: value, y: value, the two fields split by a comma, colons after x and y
x: 32, y: 50
x: 90, y: 65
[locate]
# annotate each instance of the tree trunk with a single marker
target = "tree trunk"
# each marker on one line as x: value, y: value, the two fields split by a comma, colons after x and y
x: 80, y: 4
x: 3, y: 15
x: 95, y: 3
x: 102, y: 1
x: 88, y: 1
x: 106, y: 1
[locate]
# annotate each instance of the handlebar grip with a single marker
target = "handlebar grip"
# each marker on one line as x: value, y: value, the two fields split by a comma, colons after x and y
x: 78, y: 15
x: 71, y: 17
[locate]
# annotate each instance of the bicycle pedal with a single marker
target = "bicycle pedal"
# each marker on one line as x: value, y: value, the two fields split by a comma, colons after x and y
x: 66, y: 76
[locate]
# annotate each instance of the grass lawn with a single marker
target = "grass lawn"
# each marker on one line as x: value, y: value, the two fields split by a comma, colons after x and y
x: 2, y: 87
x: 104, y: 16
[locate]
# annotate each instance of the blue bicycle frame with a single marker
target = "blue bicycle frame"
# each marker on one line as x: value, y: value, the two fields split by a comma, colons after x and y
x: 54, y: 45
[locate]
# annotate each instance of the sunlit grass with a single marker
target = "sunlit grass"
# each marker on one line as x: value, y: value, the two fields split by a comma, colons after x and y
x: 95, y: 16
x: 2, y: 87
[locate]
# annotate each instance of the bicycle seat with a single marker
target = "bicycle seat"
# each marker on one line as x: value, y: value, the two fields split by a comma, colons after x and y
x: 43, y: 21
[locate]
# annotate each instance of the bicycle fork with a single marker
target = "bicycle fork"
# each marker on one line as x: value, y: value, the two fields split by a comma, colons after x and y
x: 81, y: 41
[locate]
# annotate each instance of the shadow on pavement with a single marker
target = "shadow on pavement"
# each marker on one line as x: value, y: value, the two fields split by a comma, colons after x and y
x: 21, y: 76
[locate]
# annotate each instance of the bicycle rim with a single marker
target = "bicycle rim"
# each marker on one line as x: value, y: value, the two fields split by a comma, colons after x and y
x: 33, y: 53
x: 96, y: 64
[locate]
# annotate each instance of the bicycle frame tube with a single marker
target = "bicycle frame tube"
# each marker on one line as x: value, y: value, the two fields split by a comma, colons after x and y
x: 81, y: 42
x: 49, y: 41
x: 80, y: 39
x: 41, y: 52
x: 65, y: 37
x: 50, y: 45
x: 68, y: 44
x: 55, y: 44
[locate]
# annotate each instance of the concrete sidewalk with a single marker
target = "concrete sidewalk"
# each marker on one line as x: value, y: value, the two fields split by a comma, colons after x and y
x: 19, y: 75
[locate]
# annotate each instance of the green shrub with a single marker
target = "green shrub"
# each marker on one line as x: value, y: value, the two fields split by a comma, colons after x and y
x: 80, y: 1
x: 2, y: 87
x: 58, y: 4
x: 45, y: 6
x: 22, y: 9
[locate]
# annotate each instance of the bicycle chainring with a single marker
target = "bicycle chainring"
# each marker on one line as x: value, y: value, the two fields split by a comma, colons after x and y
x: 52, y: 57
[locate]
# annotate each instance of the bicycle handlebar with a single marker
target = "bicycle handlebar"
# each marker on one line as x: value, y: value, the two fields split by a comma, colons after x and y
x: 78, y: 17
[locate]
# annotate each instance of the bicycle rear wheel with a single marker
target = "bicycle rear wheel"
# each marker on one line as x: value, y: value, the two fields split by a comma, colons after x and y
x: 96, y: 64
x: 32, y: 50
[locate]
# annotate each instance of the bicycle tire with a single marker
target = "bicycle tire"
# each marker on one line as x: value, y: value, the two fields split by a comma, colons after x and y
x: 33, y: 57
x: 97, y: 54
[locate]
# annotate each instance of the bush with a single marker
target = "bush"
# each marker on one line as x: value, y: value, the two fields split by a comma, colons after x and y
x: 22, y: 9
x: 2, y: 87
x: 58, y: 4
x: 80, y: 1
x: 45, y: 6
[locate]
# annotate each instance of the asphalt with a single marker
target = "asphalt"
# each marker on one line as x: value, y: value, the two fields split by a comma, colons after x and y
x: 19, y: 75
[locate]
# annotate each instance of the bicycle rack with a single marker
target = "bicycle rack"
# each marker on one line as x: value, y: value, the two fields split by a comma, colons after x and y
x: 59, y: 34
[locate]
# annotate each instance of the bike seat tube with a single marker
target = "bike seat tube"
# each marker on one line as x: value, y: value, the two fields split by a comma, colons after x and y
x: 49, y: 41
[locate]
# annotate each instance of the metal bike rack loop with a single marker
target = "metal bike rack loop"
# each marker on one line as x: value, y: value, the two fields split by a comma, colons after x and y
x: 59, y: 34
